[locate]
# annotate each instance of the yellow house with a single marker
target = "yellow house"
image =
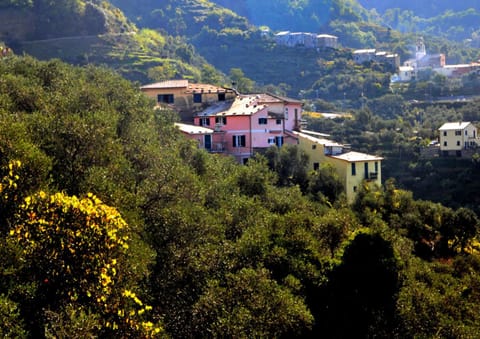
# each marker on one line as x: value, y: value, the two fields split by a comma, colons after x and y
x: 353, y: 168
x: 457, y: 136
x: 185, y: 97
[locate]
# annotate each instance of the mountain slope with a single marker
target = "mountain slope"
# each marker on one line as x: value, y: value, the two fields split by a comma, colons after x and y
x: 455, y: 21
x: 82, y: 32
x: 421, y: 8
x: 44, y: 19
x: 306, y: 15
x: 181, y: 17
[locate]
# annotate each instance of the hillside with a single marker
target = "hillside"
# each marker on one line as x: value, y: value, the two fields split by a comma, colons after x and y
x: 113, y: 225
x: 81, y: 32
x: 424, y: 9
x: 20, y: 21
x: 309, y: 15
x: 181, y: 17
x: 456, y: 21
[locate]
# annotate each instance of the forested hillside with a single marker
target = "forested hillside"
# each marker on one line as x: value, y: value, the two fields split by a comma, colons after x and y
x: 455, y: 21
x: 99, y: 33
x: 421, y: 8
x: 40, y: 19
x: 310, y: 15
x: 114, y: 225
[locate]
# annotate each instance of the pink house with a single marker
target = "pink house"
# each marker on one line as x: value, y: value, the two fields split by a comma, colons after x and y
x: 251, y: 123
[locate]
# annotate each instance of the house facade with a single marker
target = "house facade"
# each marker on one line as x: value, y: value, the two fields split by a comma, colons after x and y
x: 251, y: 124
x: 305, y: 39
x: 353, y: 168
x: 361, y: 56
x: 327, y: 41
x: 187, y: 98
x: 458, y: 136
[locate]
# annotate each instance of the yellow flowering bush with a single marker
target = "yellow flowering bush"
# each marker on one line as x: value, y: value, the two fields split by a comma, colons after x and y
x: 75, y: 249
x: 74, y: 243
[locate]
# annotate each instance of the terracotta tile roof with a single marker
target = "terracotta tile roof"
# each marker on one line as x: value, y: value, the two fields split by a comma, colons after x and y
x: 190, y: 88
x: 205, y: 88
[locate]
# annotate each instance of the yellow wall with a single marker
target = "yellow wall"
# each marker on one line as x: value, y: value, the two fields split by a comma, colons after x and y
x: 316, y: 154
x: 457, y: 142
x: 353, y: 183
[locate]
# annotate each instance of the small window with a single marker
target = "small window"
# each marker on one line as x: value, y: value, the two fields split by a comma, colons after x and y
x: 354, y: 188
x: 262, y: 121
x: 314, y: 146
x: 466, y: 132
x: 286, y: 113
x: 444, y: 143
x: 458, y: 143
x: 444, y: 133
x: 271, y: 141
x: 197, y: 98
x: 354, y: 169
x: 278, y: 121
x: 238, y: 141
x: 221, y: 96
x: 204, y: 121
x: 376, y: 166
x: 316, y: 166
x: 165, y: 98
x: 458, y: 132
x: 221, y: 120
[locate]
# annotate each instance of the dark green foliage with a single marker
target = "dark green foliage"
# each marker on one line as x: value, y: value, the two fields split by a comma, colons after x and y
x: 289, y: 162
x: 12, y: 325
x: 301, y: 15
x: 181, y: 17
x: 324, y: 184
x: 363, y: 290
x: 228, y: 309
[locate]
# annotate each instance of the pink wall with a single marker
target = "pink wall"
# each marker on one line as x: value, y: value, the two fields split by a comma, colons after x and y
x: 262, y: 129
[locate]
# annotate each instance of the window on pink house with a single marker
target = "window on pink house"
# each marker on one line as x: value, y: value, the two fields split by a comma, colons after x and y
x: 221, y: 120
x: 279, y: 141
x: 239, y: 141
x: 204, y: 121
x: 262, y: 121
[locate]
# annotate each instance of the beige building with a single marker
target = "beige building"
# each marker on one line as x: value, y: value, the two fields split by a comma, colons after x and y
x: 458, y: 136
x: 353, y: 168
x: 185, y: 97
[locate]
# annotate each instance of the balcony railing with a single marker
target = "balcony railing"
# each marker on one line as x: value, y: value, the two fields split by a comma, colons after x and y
x: 217, y: 147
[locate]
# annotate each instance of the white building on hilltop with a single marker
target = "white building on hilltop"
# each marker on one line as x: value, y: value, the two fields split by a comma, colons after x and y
x: 458, y: 136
